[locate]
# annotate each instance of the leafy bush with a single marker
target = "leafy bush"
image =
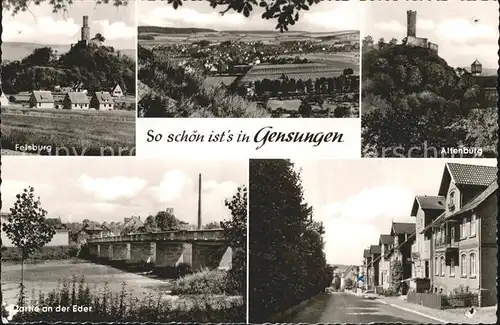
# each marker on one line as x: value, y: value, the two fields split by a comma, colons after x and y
x: 107, y: 306
x: 349, y: 284
x: 203, y: 282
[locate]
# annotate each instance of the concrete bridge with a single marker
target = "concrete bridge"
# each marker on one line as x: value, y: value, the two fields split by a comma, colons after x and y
x: 197, y: 248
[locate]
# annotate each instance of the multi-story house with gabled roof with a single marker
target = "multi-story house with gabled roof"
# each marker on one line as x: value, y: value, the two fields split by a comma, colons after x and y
x: 425, y: 210
x: 384, y: 277
x: 402, y: 234
x: 464, y: 236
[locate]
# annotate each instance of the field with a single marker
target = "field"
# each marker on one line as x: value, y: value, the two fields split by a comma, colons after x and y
x: 69, y: 132
x: 265, y: 37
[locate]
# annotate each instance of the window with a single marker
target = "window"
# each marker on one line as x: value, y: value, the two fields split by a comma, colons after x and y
x: 436, y: 266
x: 463, y: 231
x: 443, y: 266
x: 463, y: 265
x: 473, y: 225
x: 472, y: 264
x: 452, y: 268
x: 452, y: 233
x: 451, y: 201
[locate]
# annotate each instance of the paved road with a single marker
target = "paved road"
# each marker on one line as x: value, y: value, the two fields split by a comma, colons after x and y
x: 347, y: 308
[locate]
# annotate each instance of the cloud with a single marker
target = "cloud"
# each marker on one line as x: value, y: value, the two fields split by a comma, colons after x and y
x: 171, y: 186
x: 170, y: 17
x: 17, y: 31
x: 357, y: 222
x: 109, y: 189
x: 461, y: 30
x: 371, y: 204
x: 115, y: 31
x: 334, y: 19
x: 425, y: 24
x: 390, y: 26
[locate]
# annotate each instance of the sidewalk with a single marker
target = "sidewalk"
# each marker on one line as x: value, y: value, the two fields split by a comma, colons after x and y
x: 484, y: 315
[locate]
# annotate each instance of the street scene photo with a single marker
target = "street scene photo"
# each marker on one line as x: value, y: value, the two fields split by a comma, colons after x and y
x: 68, y: 78
x: 121, y: 240
x: 429, y: 79
x: 295, y: 59
x: 372, y: 241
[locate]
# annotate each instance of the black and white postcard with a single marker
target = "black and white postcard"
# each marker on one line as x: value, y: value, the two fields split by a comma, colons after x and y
x: 123, y: 240
x: 68, y: 78
x: 429, y: 79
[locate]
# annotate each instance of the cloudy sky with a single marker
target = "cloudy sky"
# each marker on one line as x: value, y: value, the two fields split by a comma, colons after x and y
x: 109, y: 189
x: 358, y: 199
x: 450, y: 24
x: 324, y: 17
x: 42, y: 26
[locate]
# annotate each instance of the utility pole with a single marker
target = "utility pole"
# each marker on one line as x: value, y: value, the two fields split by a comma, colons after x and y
x: 199, y: 201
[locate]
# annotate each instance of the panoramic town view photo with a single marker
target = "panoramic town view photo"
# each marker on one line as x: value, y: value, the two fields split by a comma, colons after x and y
x: 110, y: 242
x: 68, y: 78
x: 431, y: 70
x: 200, y: 61
x: 372, y: 241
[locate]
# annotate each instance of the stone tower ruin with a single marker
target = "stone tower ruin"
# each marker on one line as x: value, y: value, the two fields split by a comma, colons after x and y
x: 411, y: 23
x: 85, y: 29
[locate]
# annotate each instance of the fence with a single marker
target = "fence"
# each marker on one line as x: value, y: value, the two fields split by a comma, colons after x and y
x: 439, y: 301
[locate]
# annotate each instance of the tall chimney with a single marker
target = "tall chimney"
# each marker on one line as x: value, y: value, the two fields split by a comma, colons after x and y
x: 411, y: 23
x: 199, y: 201
x: 85, y: 29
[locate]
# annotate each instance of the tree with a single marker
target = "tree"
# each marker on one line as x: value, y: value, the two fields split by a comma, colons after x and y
x: 99, y: 37
x: 27, y: 228
x: 287, y: 261
x: 236, y: 232
x: 284, y: 11
x: 212, y: 225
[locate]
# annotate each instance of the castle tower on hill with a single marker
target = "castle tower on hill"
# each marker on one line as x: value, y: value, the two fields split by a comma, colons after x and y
x: 85, y: 29
x: 411, y: 38
x: 411, y: 23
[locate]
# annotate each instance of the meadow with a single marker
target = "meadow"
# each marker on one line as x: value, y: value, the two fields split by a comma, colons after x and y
x: 69, y: 132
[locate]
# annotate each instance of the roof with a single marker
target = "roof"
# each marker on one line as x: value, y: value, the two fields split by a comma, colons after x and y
x: 103, y: 97
x: 366, y: 253
x: 428, y: 203
x: 475, y: 202
x: 43, y: 96
x: 117, y: 86
x: 375, y: 249
x: 385, y: 239
x: 466, y: 175
x: 77, y: 97
x: 402, y: 228
x: 476, y: 62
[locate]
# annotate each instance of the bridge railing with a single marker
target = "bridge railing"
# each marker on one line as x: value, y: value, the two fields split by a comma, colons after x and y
x: 179, y: 235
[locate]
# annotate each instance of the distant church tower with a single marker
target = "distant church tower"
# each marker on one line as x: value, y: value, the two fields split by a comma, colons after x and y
x: 85, y: 29
x: 476, y: 68
x: 411, y: 23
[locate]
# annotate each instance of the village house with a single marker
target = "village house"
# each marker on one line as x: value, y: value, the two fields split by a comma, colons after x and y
x: 464, y: 236
x: 89, y: 230
x: 102, y: 100
x: 403, y: 234
x: 41, y: 99
x: 375, y: 258
x: 425, y: 210
x: 367, y: 260
x: 117, y: 91
x: 76, y: 100
x: 131, y: 225
x: 384, y: 265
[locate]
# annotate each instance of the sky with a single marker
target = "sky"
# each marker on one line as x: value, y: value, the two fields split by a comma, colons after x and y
x: 327, y: 16
x: 40, y: 25
x: 110, y: 189
x: 450, y: 24
x: 357, y: 200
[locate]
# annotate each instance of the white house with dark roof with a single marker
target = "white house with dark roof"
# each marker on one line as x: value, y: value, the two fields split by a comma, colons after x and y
x: 41, y: 99
x: 76, y: 100
x: 117, y: 91
x: 102, y: 100
x: 384, y: 277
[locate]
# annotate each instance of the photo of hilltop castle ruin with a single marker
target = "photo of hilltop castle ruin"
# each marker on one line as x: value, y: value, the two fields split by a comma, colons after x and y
x: 68, y: 81
x: 429, y: 88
